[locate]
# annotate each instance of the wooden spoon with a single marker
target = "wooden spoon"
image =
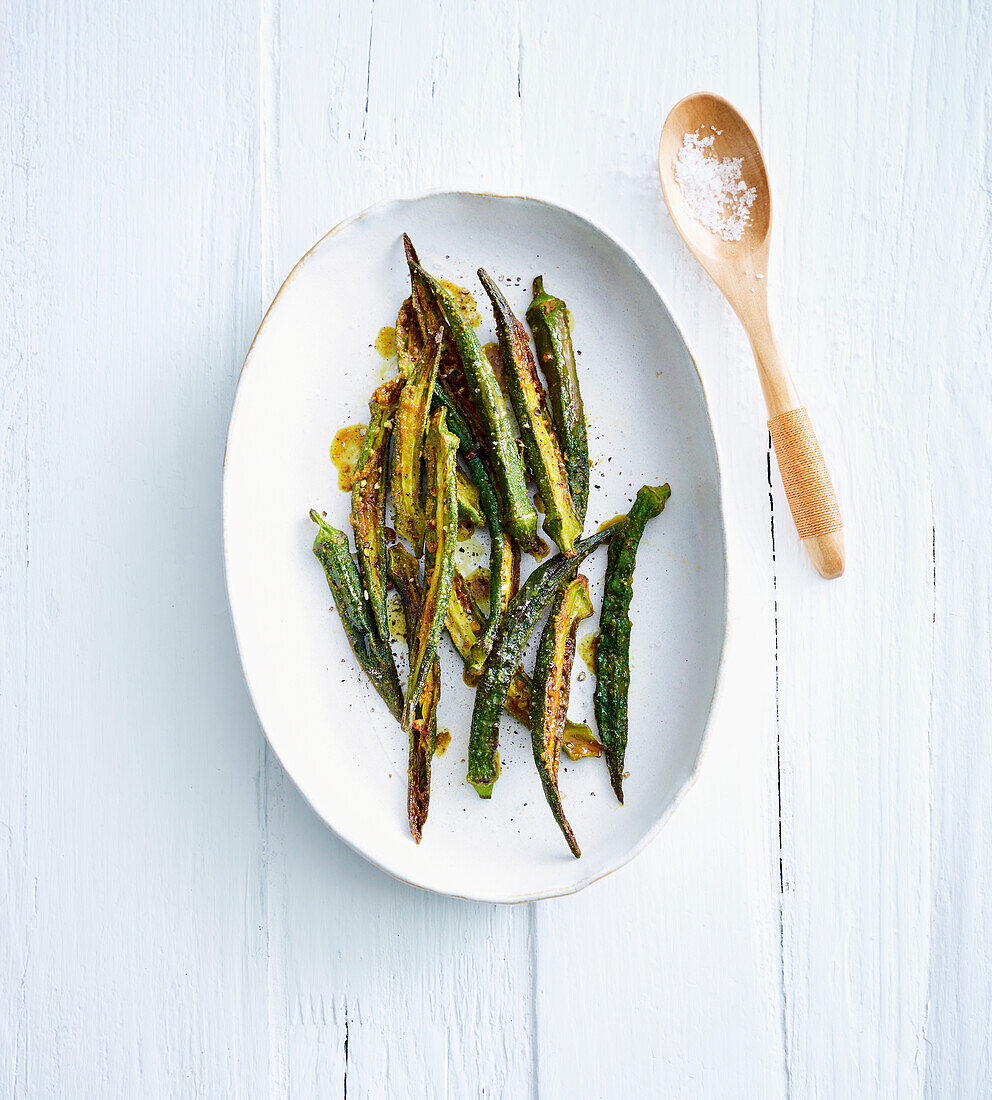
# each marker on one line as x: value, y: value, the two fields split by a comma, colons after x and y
x: 739, y: 268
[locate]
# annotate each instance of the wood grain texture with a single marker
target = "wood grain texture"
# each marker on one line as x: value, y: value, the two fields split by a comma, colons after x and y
x: 812, y: 922
x: 873, y: 802
x: 130, y: 956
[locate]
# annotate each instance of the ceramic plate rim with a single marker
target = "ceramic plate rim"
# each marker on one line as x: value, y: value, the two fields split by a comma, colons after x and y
x: 716, y: 698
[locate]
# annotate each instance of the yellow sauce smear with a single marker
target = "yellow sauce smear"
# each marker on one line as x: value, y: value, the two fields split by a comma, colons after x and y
x: 344, y: 453
x: 587, y: 650
x: 442, y: 741
x: 385, y: 342
x: 465, y: 302
x: 609, y: 522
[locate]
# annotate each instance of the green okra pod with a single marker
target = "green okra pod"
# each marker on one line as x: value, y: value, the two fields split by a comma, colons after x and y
x: 404, y: 571
x: 465, y: 624
x: 428, y: 318
x: 549, y: 701
x: 442, y: 535
x: 332, y: 549
x: 548, y: 320
x: 469, y: 507
x: 543, y: 453
x: 613, y: 648
x: 525, y: 609
x: 507, y: 466
x: 409, y: 340
x: 408, y: 434
x: 368, y: 500
x: 504, y: 557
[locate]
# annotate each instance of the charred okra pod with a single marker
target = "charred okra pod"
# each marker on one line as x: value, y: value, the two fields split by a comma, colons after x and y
x: 465, y: 623
x: 549, y: 701
x: 333, y: 551
x: 428, y: 317
x: 543, y: 453
x: 442, y: 535
x: 524, y: 611
x: 409, y: 341
x: 411, y: 423
x: 548, y: 320
x: 494, y: 422
x: 368, y: 500
x: 613, y: 649
x: 404, y: 571
x: 504, y: 557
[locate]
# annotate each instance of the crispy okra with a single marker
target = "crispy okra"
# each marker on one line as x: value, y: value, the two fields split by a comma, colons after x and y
x: 332, y: 549
x: 404, y: 572
x: 504, y: 556
x: 411, y: 423
x: 441, y: 537
x: 548, y: 320
x: 507, y: 466
x: 613, y: 648
x: 527, y: 395
x: 368, y: 500
x: 518, y: 623
x: 549, y: 700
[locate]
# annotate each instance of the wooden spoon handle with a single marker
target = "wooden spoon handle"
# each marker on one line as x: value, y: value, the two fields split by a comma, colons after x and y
x: 809, y: 490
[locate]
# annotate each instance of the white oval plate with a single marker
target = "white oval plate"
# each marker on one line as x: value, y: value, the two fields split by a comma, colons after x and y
x: 310, y: 371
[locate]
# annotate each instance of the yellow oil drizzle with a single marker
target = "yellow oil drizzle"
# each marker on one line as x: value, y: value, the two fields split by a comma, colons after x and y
x: 587, y: 650
x: 385, y: 342
x: 465, y: 302
x: 442, y: 741
x: 344, y: 453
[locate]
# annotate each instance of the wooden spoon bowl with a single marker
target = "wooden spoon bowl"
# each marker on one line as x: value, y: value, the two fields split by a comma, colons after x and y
x: 712, y: 116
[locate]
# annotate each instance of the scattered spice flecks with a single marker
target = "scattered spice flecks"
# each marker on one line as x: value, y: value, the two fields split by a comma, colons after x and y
x: 716, y: 193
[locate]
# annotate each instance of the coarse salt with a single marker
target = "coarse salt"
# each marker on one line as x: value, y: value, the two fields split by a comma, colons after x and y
x: 716, y: 193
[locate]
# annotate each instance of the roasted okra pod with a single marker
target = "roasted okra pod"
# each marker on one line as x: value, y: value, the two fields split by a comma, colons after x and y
x: 333, y: 551
x: 368, y: 500
x: 543, y: 453
x: 518, y: 623
x: 465, y: 623
x: 411, y: 423
x: 442, y: 535
x: 548, y: 320
x: 404, y: 571
x: 549, y: 701
x: 494, y: 423
x: 613, y: 648
x: 504, y: 557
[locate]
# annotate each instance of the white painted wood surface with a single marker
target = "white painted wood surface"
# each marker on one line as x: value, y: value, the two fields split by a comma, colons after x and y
x: 813, y: 921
